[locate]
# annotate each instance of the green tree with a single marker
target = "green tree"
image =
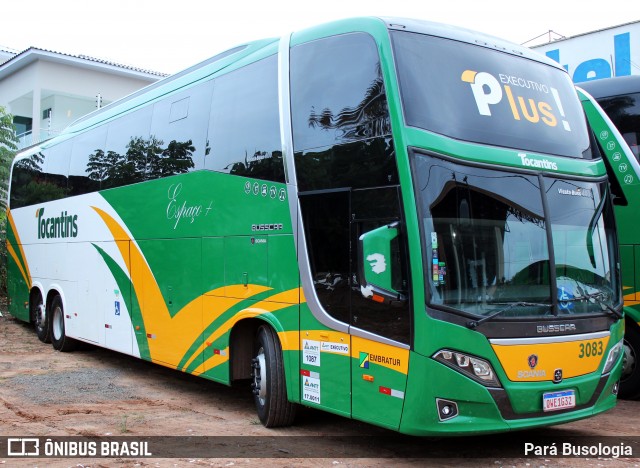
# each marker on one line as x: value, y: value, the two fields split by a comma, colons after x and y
x: 8, y: 149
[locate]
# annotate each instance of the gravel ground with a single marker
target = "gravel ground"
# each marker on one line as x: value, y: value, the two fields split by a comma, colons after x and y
x: 94, y: 392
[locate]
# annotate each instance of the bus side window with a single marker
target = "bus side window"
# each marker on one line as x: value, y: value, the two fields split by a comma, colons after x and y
x: 56, y: 172
x: 27, y: 173
x: 619, y: 197
x: 244, y: 126
x: 340, y: 119
x: 123, y: 160
x: 81, y: 178
x: 624, y: 111
x: 180, y: 122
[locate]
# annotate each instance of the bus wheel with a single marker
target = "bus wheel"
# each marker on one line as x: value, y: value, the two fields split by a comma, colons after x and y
x: 630, y: 379
x: 269, y: 387
x: 39, y: 319
x: 59, y: 339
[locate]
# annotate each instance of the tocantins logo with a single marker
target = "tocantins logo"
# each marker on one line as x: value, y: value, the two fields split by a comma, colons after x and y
x: 57, y: 227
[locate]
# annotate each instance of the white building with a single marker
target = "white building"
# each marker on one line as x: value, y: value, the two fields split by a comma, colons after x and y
x: 46, y: 91
x: 605, y: 53
x: 6, y: 55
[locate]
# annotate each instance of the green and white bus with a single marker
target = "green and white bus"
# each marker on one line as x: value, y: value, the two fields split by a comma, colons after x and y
x: 392, y: 220
x: 618, y: 131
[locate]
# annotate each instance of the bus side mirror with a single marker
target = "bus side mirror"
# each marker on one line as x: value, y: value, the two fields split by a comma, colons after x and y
x: 376, y: 265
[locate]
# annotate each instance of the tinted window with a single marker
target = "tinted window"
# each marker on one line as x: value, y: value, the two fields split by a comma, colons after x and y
x: 484, y: 238
x: 370, y: 209
x: 130, y: 152
x: 326, y: 216
x: 81, y: 178
x: 27, y: 181
x: 584, y: 244
x: 56, y: 170
x: 343, y: 147
x: 624, y: 111
x: 341, y: 125
x: 181, y: 121
x: 41, y: 177
x: 482, y: 95
x: 333, y: 222
x: 244, y: 127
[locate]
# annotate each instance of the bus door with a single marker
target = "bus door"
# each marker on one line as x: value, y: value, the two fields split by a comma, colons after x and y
x: 325, y: 351
x: 363, y: 375
x: 380, y: 317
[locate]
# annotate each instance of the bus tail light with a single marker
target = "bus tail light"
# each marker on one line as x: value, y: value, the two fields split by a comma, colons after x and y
x: 478, y: 369
x: 612, y: 357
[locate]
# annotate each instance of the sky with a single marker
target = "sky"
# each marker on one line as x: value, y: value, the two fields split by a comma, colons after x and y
x: 168, y: 36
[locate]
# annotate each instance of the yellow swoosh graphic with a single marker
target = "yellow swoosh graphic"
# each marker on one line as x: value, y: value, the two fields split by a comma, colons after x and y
x: 169, y: 338
x: 24, y: 268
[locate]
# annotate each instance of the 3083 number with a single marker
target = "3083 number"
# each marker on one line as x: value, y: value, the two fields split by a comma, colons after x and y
x: 590, y: 349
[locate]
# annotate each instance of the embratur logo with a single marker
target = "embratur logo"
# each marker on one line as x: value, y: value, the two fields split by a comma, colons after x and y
x: 364, y: 360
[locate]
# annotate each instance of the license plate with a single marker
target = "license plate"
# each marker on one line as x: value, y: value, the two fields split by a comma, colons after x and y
x: 555, y: 401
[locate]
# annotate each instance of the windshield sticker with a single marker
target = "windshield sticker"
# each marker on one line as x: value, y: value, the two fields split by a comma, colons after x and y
x: 490, y: 91
x: 576, y: 192
x: 434, y: 259
x: 565, y: 299
x: 442, y: 271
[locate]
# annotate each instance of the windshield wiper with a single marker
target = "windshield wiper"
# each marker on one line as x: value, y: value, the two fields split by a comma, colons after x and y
x: 593, y: 223
x: 594, y: 298
x: 473, y: 324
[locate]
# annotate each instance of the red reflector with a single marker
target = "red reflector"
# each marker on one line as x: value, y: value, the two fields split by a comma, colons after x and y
x: 377, y: 298
x: 306, y: 373
x: 216, y: 351
x: 385, y: 390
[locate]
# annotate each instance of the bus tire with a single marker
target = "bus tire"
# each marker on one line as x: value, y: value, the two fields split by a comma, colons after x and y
x: 268, y: 381
x: 40, y: 319
x: 630, y: 379
x: 59, y: 339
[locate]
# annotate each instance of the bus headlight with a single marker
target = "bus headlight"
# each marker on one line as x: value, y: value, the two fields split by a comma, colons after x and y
x: 612, y: 357
x: 478, y: 369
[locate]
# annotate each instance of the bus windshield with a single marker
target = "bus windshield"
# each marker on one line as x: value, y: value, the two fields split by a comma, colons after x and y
x: 485, y: 234
x: 485, y: 96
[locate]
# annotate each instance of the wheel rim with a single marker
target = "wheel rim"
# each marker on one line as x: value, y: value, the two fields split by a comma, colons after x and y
x: 629, y: 362
x: 57, y: 322
x: 40, y: 316
x: 260, y: 377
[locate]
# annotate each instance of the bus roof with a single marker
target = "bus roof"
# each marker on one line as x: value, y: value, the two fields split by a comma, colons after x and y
x: 467, y: 35
x: 608, y: 87
x: 224, y: 59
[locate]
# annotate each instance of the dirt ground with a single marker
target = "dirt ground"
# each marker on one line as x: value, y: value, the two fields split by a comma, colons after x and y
x: 94, y: 392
